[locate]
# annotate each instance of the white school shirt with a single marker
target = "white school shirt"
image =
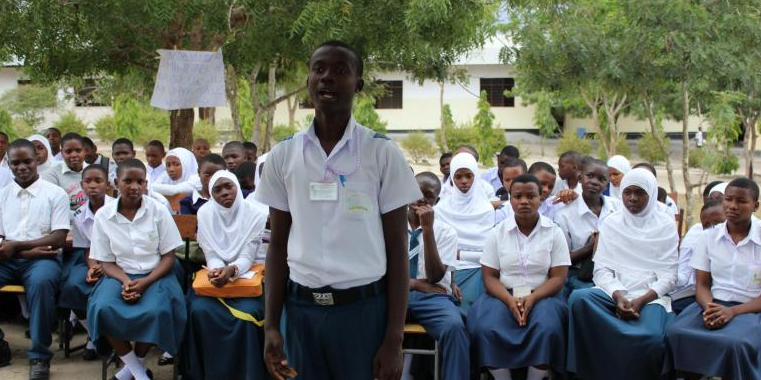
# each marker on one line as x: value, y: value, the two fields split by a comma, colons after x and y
x: 31, y: 213
x: 4, y: 161
x: 685, y: 276
x: 135, y: 246
x: 337, y: 243
x: 525, y: 260
x: 735, y: 269
x: 155, y: 173
x: 491, y: 177
x: 6, y: 177
x: 561, y: 184
x: 70, y: 181
x: 83, y: 220
x: 58, y: 157
x: 446, y: 243
x: 577, y: 221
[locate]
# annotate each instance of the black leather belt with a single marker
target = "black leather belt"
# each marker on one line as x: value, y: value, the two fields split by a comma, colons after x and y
x: 328, y: 296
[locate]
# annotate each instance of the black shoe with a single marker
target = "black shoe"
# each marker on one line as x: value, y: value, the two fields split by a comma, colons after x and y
x: 89, y: 355
x: 5, y: 353
x: 27, y: 334
x: 39, y: 369
x: 165, y: 361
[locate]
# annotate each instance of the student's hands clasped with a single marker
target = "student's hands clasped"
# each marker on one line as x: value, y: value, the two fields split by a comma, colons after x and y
x: 424, y: 286
x: 132, y: 290
x: 274, y: 357
x: 716, y: 316
x: 94, y: 273
x: 221, y: 276
x: 525, y: 304
x: 515, y: 310
x: 7, y: 250
x: 625, y: 309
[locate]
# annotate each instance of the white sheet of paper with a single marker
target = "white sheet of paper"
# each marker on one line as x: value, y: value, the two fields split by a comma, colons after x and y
x: 189, y: 79
x: 248, y: 275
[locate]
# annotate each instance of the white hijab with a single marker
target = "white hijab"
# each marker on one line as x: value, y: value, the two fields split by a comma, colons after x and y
x: 41, y: 167
x: 188, y: 162
x: 621, y: 164
x: 229, y: 231
x: 638, y: 241
x: 471, y: 213
x: 720, y: 188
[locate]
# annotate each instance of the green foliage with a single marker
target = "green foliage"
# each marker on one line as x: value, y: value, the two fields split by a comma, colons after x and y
x: 6, y: 123
x: 69, y: 122
x: 697, y: 158
x: 418, y: 146
x: 570, y: 141
x: 457, y: 136
x: 725, y: 164
x: 135, y: 120
x: 281, y: 131
x: 22, y: 128
x: 205, y: 130
x: 106, y: 129
x: 29, y: 101
x: 365, y: 114
x: 543, y: 118
x: 649, y: 150
x: 490, y: 141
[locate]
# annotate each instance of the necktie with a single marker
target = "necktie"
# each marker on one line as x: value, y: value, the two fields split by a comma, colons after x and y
x: 414, y: 254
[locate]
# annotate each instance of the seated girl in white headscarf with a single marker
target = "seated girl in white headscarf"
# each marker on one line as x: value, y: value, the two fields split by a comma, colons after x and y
x: 181, y: 176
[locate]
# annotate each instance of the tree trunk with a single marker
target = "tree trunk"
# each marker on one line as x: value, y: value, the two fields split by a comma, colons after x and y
x: 231, y: 90
x: 293, y: 105
x: 256, y: 104
x: 181, y: 128
x: 686, y: 156
x: 612, y: 133
x: 207, y: 113
x: 271, y: 95
x: 441, y: 118
x: 661, y: 145
x: 749, y: 145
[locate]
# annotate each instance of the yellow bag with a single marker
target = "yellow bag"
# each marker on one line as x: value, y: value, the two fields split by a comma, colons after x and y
x: 239, y: 288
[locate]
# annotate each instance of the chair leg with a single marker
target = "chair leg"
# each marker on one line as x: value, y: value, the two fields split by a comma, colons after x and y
x: 66, y: 341
x: 104, y: 367
x: 436, y: 361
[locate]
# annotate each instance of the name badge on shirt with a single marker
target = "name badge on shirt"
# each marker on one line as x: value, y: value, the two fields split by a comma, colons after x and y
x: 755, y: 276
x: 323, y: 191
x: 521, y: 291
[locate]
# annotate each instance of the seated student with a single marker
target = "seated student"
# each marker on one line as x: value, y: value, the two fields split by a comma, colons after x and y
x: 708, y: 192
x: 67, y: 174
x: 580, y: 220
x: 139, y: 299
x: 154, y: 156
x: 444, y: 162
x: 711, y: 214
x: 181, y: 175
x: 511, y: 169
x: 228, y: 233
x: 482, y: 186
x: 720, y: 334
x: 200, y: 149
x: 79, y: 272
x: 122, y: 149
x: 521, y: 319
x: 93, y: 157
x: 492, y: 175
x: 569, y: 167
x: 546, y: 175
x: 469, y: 212
x: 717, y: 192
x: 43, y: 153
x: 234, y: 155
x: 618, y: 327
x: 4, y: 141
x: 33, y: 226
x: 53, y: 135
x: 431, y: 302
x: 245, y: 174
x: 210, y: 164
x: 668, y: 206
x: 617, y: 166
x: 250, y: 149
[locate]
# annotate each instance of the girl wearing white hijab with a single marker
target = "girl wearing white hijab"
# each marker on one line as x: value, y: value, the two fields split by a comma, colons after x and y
x: 181, y: 176
x: 43, y: 151
x: 635, y: 269
x: 472, y: 215
x: 228, y: 233
x: 618, y: 167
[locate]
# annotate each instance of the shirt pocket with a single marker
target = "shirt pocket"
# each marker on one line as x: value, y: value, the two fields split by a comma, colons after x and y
x: 540, y: 257
x: 358, y: 201
x: 145, y: 238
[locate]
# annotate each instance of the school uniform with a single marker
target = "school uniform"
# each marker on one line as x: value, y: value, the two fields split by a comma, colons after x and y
x: 190, y: 204
x: 136, y: 247
x: 70, y: 181
x: 228, y: 237
x: 74, y: 289
x: 621, y: 164
x: 155, y: 173
x: 29, y: 214
x: 578, y: 222
x: 438, y: 313
x: 188, y: 181
x: 6, y: 177
x: 636, y: 253
x: 4, y: 161
x: 684, y: 293
x: 41, y: 168
x: 491, y: 176
x: 336, y: 244
x: 561, y: 184
x: 523, y: 262
x: 734, y: 350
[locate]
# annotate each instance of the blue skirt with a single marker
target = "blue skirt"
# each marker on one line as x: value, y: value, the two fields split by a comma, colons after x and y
x: 677, y: 306
x: 573, y: 282
x: 602, y: 346
x: 471, y: 285
x: 733, y: 351
x: 158, y: 318
x: 221, y: 346
x: 74, y: 290
x: 501, y: 343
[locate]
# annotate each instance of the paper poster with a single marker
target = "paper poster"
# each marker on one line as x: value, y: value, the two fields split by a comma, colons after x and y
x: 189, y: 79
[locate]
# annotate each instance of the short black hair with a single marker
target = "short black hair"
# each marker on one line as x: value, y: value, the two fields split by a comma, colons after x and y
x: 648, y: 166
x: 246, y: 170
x: 22, y: 143
x: 662, y: 195
x: 212, y: 158
x: 433, y: 178
x: 4, y: 134
x: 511, y: 162
x: 572, y: 154
x: 97, y: 167
x: 233, y: 145
x: 358, y: 64
x: 54, y: 129
x: 72, y: 136
x: 510, y: 151
x: 123, y: 141
x: 541, y: 165
x: 589, y: 160
x: 156, y: 143
x: 472, y: 150
x: 527, y: 178
x: 745, y: 183
x: 711, y: 203
x: 86, y: 141
x: 130, y: 163
x: 248, y: 145
x: 708, y: 188
x: 445, y: 156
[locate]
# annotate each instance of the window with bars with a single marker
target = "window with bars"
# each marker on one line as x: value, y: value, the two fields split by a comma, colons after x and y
x: 392, y: 97
x: 495, y: 91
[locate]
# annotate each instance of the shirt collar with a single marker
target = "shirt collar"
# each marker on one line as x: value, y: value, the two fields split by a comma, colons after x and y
x: 196, y: 196
x: 66, y: 169
x: 113, y: 211
x: 347, y: 139
x: 88, y: 212
x: 544, y: 222
x: 582, y: 207
x: 754, y: 235
x: 33, y: 189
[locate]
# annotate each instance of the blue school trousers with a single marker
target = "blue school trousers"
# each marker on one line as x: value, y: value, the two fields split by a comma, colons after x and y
x: 334, y: 342
x: 442, y: 320
x: 74, y: 289
x: 41, y: 279
x: 471, y: 285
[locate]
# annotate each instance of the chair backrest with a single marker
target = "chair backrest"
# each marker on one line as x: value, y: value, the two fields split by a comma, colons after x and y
x: 187, y: 225
x: 174, y: 201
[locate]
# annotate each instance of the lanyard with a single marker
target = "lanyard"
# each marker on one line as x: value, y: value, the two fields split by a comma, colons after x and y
x: 329, y: 169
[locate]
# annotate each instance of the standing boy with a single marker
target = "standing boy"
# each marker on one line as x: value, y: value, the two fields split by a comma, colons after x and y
x: 338, y: 195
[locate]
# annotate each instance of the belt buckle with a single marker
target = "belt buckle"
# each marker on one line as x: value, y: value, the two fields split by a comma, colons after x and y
x: 323, y: 299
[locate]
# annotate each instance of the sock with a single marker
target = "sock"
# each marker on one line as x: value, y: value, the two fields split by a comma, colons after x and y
x: 501, y: 374
x: 135, y: 366
x: 24, y: 309
x: 90, y: 345
x: 536, y: 373
x: 73, y: 318
x: 406, y: 369
x: 124, y: 373
x: 166, y: 355
x: 83, y: 322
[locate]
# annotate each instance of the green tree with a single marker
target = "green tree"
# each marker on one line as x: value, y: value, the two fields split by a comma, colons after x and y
x: 29, y: 101
x: 490, y: 140
x: 418, y: 146
x: 543, y: 118
x: 365, y: 114
x: 69, y: 122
